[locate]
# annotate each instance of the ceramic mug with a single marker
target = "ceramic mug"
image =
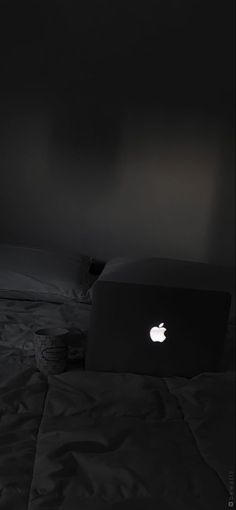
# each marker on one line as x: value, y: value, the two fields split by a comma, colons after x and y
x: 51, y: 350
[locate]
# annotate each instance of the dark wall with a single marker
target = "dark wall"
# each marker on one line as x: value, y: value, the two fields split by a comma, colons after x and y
x: 117, y: 128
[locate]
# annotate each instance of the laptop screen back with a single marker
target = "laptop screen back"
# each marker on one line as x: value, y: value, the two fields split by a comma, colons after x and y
x: 154, y: 330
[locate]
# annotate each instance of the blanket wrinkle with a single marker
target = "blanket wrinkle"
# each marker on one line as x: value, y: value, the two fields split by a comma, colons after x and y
x: 195, y: 439
x: 95, y: 464
x: 36, y: 447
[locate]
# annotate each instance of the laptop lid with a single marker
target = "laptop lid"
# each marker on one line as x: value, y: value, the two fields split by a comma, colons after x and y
x: 154, y: 330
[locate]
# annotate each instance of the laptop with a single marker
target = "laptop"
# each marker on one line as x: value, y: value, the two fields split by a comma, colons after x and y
x: 157, y: 331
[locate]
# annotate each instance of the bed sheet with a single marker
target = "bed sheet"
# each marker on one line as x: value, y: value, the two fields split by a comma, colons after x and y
x: 103, y: 441
x: 20, y: 319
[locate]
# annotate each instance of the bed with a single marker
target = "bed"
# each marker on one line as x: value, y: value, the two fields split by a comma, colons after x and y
x: 101, y: 441
x: 20, y: 319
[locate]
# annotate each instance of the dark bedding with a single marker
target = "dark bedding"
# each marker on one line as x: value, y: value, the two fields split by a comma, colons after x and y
x: 19, y: 320
x: 95, y: 441
x: 91, y: 441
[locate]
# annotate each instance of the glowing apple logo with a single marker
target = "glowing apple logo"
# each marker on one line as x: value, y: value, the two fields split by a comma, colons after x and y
x: 157, y: 334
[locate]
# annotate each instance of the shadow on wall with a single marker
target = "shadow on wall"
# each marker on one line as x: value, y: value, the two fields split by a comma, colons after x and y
x: 222, y: 245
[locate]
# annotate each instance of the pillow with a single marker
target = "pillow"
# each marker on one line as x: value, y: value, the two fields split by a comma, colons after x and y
x: 170, y: 272
x: 36, y: 274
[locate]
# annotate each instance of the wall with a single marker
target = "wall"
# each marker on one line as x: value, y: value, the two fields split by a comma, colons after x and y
x: 165, y: 192
x: 121, y: 145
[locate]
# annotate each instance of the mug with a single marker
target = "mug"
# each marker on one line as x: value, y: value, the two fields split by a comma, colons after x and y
x: 51, y: 350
